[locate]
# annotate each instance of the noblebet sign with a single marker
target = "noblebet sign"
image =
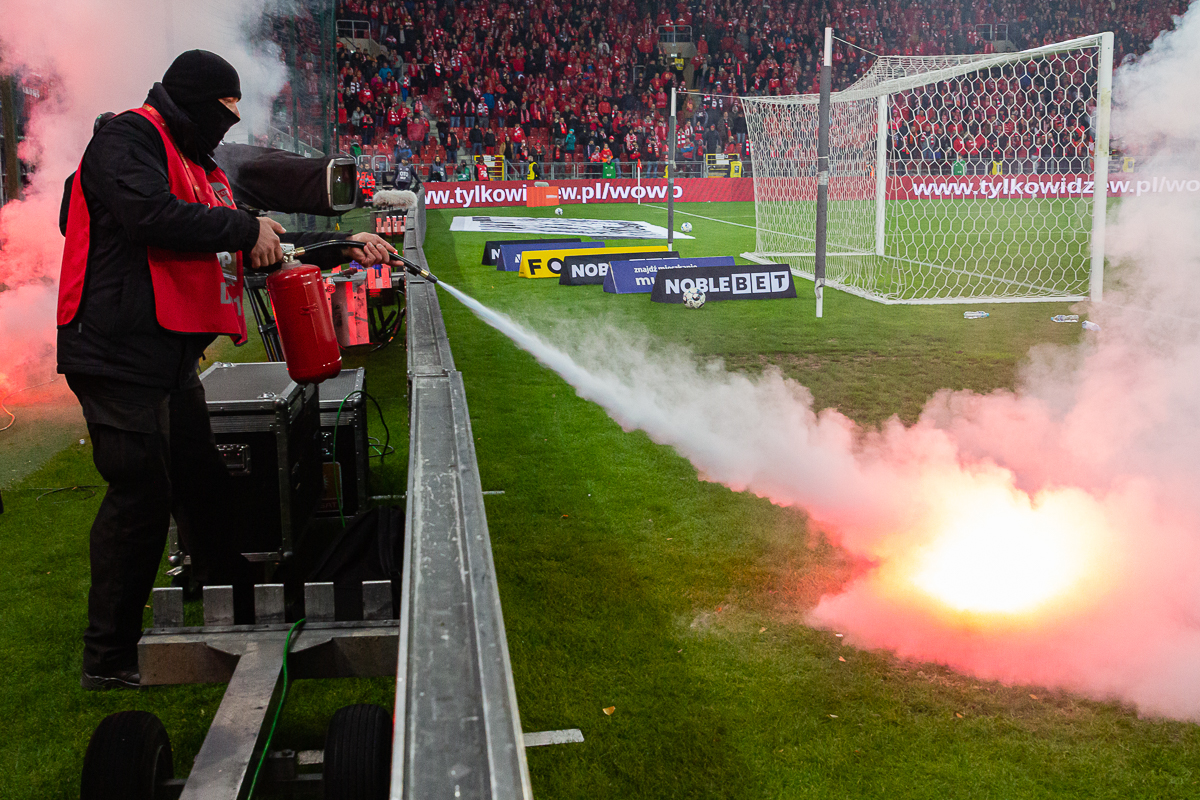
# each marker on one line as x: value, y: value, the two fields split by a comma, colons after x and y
x: 742, y: 282
x: 590, y: 270
x: 549, y: 263
x: 637, y: 277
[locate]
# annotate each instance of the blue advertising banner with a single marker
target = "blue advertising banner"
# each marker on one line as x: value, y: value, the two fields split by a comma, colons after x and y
x: 741, y: 282
x: 510, y: 254
x: 637, y: 277
x: 590, y: 270
x: 491, y: 250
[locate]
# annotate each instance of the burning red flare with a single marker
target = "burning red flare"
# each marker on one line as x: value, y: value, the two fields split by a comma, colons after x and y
x: 999, y: 553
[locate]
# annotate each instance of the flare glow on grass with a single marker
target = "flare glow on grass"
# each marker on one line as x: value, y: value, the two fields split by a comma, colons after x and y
x: 1000, y: 554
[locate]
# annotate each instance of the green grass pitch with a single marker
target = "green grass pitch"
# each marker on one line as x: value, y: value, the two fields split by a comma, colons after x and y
x: 628, y: 582
x: 946, y: 248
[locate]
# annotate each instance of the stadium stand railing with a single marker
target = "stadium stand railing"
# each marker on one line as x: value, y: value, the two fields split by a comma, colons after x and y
x: 354, y: 29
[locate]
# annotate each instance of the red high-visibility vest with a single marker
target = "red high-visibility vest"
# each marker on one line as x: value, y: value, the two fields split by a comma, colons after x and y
x: 191, y: 294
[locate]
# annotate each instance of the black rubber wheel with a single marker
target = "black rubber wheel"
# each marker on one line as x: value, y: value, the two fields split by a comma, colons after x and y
x: 358, y: 753
x: 128, y: 758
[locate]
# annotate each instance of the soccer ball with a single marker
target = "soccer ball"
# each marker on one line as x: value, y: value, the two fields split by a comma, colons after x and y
x: 558, y: 212
x: 693, y: 298
x: 686, y: 227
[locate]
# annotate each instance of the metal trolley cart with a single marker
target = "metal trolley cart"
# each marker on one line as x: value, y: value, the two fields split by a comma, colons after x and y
x: 455, y: 731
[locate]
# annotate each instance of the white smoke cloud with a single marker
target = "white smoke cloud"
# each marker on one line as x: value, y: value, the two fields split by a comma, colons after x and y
x: 97, y: 56
x: 1049, y: 535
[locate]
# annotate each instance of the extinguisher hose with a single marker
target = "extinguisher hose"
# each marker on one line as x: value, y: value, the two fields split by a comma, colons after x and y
x: 411, y: 266
x: 308, y: 248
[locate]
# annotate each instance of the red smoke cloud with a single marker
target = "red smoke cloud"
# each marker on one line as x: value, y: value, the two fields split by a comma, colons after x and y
x: 94, y: 56
x: 1049, y: 535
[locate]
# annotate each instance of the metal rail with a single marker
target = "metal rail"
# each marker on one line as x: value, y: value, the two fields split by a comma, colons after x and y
x: 457, y: 728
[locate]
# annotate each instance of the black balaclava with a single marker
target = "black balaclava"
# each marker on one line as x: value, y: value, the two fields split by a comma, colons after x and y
x: 196, y: 81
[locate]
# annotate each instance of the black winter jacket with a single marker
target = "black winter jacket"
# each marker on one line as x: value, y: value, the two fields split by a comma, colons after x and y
x: 115, y: 333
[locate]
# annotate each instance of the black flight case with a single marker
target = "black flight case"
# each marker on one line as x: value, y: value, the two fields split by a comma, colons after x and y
x: 267, y: 428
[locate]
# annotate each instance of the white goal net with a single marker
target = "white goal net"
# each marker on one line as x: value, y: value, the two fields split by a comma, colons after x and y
x: 952, y: 178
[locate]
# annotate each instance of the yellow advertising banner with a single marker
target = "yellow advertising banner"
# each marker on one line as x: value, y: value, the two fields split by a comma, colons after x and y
x: 549, y: 263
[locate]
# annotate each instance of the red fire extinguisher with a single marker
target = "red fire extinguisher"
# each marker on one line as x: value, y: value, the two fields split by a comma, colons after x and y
x: 302, y: 316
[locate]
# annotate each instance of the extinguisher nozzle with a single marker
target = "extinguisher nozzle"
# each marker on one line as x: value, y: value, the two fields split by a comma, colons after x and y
x: 415, y: 269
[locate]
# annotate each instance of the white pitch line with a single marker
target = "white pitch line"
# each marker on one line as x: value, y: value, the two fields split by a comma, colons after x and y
x: 543, y: 738
x: 710, y: 219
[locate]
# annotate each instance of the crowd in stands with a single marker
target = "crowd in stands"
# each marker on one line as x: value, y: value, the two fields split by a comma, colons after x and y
x: 1028, y: 117
x: 549, y: 82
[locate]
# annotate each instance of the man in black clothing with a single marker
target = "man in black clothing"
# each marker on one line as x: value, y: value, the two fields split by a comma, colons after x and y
x: 437, y: 171
x: 133, y: 368
x: 404, y: 176
x: 712, y: 140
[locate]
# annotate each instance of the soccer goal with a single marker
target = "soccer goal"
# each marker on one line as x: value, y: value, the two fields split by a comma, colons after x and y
x: 952, y: 178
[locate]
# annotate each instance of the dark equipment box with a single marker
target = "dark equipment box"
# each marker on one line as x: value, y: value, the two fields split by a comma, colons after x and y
x: 344, y: 418
x: 268, y: 429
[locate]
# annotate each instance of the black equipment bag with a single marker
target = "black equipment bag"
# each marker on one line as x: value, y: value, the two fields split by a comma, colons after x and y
x: 369, y: 548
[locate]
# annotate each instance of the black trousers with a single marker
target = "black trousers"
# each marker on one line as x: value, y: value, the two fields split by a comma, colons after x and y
x: 155, y: 449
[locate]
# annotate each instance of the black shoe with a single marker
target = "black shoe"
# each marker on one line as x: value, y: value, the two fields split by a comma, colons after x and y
x: 121, y: 679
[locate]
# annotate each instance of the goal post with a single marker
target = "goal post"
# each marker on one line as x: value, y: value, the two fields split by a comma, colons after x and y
x: 881, y: 130
x: 952, y: 179
x: 1100, y: 188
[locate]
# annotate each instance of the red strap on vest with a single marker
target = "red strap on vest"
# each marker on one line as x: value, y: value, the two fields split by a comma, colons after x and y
x: 75, y: 253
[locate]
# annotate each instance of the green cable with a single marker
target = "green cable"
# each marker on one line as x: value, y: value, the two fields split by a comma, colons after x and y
x: 337, y: 424
x: 279, y: 708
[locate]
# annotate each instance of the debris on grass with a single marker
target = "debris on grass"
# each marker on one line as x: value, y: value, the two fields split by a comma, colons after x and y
x: 841, y: 659
x: 610, y: 710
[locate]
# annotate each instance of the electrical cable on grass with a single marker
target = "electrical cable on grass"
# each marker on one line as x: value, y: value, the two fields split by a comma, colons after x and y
x: 89, y: 488
x: 287, y: 647
x: 387, y: 434
x: 382, y: 453
x: 12, y: 418
x: 379, y: 450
